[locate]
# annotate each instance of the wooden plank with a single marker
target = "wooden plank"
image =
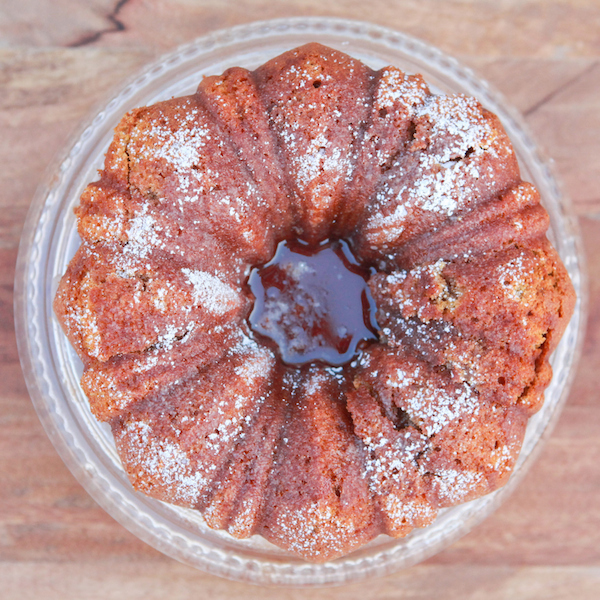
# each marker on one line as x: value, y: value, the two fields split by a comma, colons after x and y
x: 115, y: 580
x: 538, y: 28
x: 55, y: 542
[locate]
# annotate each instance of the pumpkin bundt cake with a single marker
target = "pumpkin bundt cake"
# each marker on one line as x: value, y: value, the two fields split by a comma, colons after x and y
x: 216, y: 407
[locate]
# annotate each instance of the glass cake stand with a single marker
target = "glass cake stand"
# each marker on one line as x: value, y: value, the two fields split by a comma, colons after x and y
x: 52, y: 369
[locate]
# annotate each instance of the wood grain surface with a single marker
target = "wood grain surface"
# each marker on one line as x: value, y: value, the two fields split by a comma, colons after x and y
x: 59, y: 59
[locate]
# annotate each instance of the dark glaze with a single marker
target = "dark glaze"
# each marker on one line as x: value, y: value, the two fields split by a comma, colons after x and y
x: 314, y: 303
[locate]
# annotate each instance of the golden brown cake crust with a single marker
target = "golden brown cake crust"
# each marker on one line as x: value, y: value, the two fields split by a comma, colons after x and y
x: 471, y: 301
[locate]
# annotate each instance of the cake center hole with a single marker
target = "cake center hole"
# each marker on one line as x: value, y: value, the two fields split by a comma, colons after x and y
x: 313, y: 303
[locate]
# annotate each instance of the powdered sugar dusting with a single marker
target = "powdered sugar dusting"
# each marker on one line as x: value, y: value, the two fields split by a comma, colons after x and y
x: 315, y: 382
x: 258, y: 363
x: 315, y: 529
x: 211, y: 293
x: 182, y: 154
x: 143, y: 235
x: 501, y: 458
x: 457, y: 122
x: 399, y: 291
x: 239, y: 399
x: 402, y: 511
x: 445, y: 173
x: 397, y: 88
x: 316, y: 136
x: 105, y: 385
x: 163, y: 462
x: 514, y: 277
x: 244, y: 519
x: 181, y: 147
x: 390, y: 457
x: 433, y: 407
x: 453, y: 486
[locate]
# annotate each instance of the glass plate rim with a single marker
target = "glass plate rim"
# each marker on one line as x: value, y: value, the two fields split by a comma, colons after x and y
x: 30, y: 253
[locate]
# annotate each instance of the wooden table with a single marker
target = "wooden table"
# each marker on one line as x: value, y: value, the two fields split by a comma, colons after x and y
x: 61, y: 58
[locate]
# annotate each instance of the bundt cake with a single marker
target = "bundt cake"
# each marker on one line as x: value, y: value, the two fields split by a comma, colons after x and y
x: 314, y: 149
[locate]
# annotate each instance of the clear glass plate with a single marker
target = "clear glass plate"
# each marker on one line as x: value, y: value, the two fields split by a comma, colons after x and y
x: 52, y: 369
